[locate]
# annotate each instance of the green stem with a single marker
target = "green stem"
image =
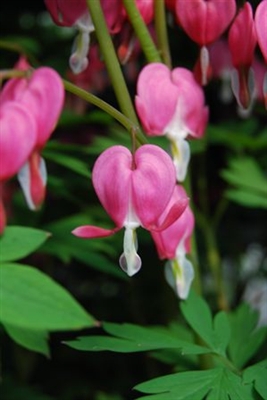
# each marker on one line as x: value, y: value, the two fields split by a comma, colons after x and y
x: 194, y: 252
x: 214, y: 260
x: 141, y: 31
x: 111, y: 60
x: 121, y: 118
x: 161, y: 32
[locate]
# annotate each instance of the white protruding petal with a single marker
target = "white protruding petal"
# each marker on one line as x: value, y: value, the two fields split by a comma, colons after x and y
x: 181, y: 155
x: 204, y: 64
x: 179, y: 274
x: 24, y: 179
x: 78, y: 60
x: 130, y: 262
x: 85, y: 24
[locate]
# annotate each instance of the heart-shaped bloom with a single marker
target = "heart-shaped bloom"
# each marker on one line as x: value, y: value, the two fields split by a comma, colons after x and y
x: 173, y: 243
x: 42, y: 94
x: 16, y: 124
x: 261, y: 29
x: 242, y: 41
x: 171, y: 103
x: 134, y: 190
x: 74, y: 14
x: 204, y: 22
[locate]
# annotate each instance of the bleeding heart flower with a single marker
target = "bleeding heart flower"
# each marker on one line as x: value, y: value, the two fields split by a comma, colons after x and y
x: 74, y: 14
x: 16, y: 125
x: 242, y: 41
x: 173, y: 243
x: 43, y: 95
x: 261, y: 29
x: 171, y: 103
x: 204, y: 22
x: 134, y: 190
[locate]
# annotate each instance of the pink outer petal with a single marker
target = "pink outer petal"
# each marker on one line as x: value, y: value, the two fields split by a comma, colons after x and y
x: 112, y: 181
x: 66, y: 12
x: 167, y: 97
x: 17, y: 138
x: 156, y: 98
x: 261, y: 27
x: 90, y: 231
x: 242, y: 37
x: 204, y: 21
x: 168, y: 240
x: 43, y: 94
x: 193, y: 112
x: 153, y: 182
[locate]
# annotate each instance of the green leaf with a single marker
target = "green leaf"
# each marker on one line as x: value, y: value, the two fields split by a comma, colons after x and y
x: 18, y: 242
x: 257, y: 374
x: 134, y: 338
x: 69, y: 162
x: 212, y: 384
x: 247, y: 199
x: 245, y: 338
x: 32, y: 300
x: 250, y: 182
x: 198, y: 315
x: 35, y: 340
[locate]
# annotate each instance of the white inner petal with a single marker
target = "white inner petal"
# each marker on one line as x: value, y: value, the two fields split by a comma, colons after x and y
x: 130, y: 262
x: 181, y: 155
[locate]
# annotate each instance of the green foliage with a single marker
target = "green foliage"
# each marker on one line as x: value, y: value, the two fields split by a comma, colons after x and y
x: 246, y: 338
x: 133, y: 338
x: 198, y: 315
x: 32, y: 300
x: 227, y: 333
x: 257, y: 373
x: 32, y: 339
x: 212, y: 384
x: 18, y: 242
x: 249, y: 181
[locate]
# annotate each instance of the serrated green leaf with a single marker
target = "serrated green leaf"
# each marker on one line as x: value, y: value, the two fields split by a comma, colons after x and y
x: 245, y: 338
x: 245, y: 173
x: 212, y: 384
x: 222, y: 331
x: 257, y: 374
x: 35, y: 340
x: 18, y: 242
x: 198, y: 315
x: 32, y: 300
x: 134, y: 338
x: 246, y: 198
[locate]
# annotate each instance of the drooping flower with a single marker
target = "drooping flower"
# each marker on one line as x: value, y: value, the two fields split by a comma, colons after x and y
x: 173, y: 243
x: 242, y: 41
x: 134, y: 190
x: 261, y: 29
x: 75, y: 14
x: 16, y: 124
x: 43, y: 95
x: 204, y: 22
x: 171, y: 103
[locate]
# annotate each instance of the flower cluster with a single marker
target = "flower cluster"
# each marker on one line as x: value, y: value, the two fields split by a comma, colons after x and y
x: 29, y: 110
